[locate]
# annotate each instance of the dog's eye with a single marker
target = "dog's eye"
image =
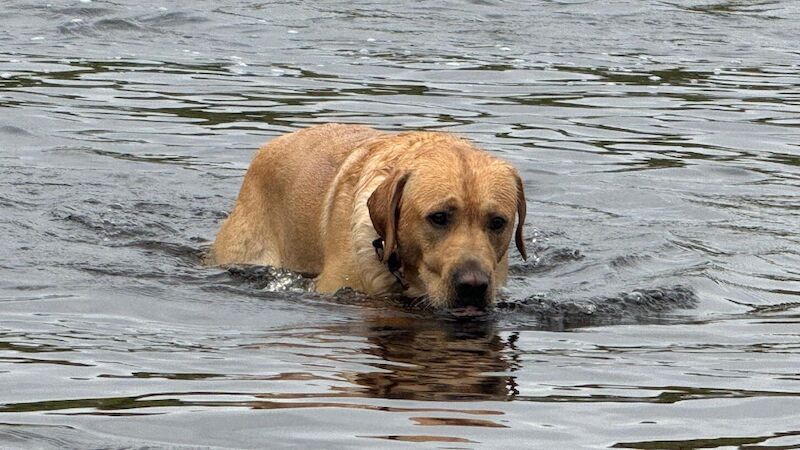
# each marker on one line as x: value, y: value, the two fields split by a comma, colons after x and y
x: 439, y: 219
x: 497, y: 223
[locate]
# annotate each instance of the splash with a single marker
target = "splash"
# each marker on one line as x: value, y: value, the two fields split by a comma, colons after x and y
x: 272, y: 279
x: 638, y: 306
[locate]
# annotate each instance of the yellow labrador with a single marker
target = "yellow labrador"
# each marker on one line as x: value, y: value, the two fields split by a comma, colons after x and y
x: 423, y: 214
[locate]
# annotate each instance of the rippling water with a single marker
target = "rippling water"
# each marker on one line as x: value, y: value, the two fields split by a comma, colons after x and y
x: 658, y: 141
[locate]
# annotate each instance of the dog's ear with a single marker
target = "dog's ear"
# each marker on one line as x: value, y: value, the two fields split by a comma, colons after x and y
x: 521, y: 213
x: 384, y: 209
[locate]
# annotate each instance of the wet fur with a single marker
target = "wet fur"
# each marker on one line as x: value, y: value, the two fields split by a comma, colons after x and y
x: 314, y: 200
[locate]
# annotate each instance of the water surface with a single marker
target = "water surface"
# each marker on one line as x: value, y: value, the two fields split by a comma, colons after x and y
x: 658, y: 141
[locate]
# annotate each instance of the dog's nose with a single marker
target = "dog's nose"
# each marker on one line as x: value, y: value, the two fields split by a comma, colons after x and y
x: 471, y: 285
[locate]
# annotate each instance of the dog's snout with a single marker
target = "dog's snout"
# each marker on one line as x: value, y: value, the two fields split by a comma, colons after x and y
x: 471, y: 286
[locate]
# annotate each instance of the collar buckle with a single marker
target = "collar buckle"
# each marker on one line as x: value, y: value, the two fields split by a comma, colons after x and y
x: 392, y: 263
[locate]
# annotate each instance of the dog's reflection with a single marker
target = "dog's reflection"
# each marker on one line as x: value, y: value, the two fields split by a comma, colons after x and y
x: 436, y: 360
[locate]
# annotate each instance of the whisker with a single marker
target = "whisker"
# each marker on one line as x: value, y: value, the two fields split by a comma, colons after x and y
x: 421, y: 302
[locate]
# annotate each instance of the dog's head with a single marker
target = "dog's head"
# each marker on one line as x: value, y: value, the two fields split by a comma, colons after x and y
x: 448, y: 210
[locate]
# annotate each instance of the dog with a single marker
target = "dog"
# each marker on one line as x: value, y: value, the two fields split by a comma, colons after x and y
x: 427, y: 215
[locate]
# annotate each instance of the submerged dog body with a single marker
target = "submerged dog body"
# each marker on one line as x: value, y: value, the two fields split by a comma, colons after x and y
x: 317, y: 200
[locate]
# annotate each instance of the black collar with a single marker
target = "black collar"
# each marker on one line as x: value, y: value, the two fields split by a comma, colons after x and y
x: 393, y: 262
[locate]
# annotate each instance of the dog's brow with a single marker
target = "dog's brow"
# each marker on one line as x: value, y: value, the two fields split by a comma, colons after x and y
x: 449, y: 204
x: 492, y: 207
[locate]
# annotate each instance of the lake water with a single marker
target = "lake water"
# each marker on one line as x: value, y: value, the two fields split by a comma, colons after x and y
x: 659, y: 142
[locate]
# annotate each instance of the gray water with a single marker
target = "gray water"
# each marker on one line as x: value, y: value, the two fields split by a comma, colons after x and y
x: 659, y: 142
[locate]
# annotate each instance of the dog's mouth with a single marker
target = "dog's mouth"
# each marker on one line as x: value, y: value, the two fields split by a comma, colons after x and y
x: 467, y: 312
x: 457, y: 312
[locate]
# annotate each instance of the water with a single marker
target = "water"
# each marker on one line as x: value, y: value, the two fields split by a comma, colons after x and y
x: 658, y: 142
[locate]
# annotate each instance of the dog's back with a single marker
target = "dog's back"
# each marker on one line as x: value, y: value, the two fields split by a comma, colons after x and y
x: 288, y: 179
